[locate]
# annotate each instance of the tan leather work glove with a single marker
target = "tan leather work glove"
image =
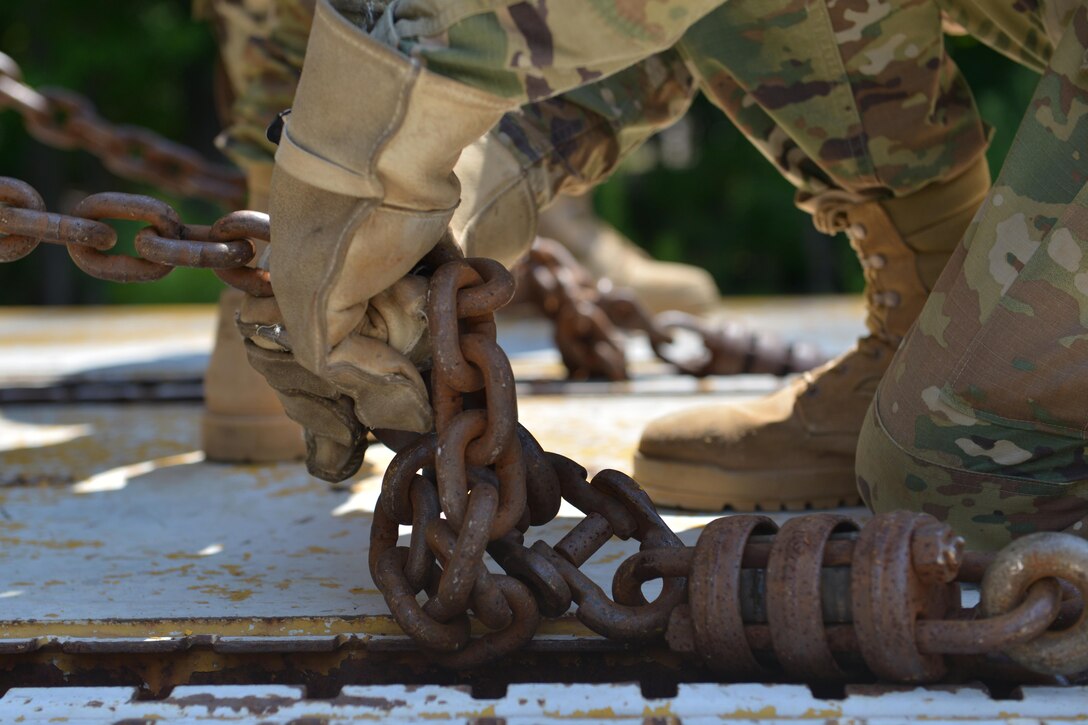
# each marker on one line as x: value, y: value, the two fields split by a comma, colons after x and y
x: 335, y: 438
x: 362, y: 189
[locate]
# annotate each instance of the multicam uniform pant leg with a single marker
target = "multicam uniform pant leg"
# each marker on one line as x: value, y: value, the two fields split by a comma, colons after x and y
x: 1026, y: 32
x: 981, y: 419
x: 836, y: 99
x: 261, y: 46
x: 855, y: 97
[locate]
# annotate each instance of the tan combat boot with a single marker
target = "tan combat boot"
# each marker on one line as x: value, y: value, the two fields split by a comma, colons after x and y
x: 659, y: 286
x: 795, y: 448
x: 243, y: 418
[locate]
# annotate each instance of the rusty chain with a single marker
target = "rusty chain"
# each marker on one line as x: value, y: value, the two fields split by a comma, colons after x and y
x: 586, y: 336
x: 225, y: 247
x: 820, y: 599
x: 67, y: 120
x: 588, y: 314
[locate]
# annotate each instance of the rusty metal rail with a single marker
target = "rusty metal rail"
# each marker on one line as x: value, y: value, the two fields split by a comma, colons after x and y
x: 69, y: 120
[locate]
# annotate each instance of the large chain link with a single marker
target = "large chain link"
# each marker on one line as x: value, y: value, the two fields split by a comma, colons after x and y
x: 484, y: 481
x: 225, y: 247
x: 821, y: 599
x: 68, y: 120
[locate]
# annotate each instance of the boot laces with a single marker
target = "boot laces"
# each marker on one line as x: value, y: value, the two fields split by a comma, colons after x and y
x: 832, y: 211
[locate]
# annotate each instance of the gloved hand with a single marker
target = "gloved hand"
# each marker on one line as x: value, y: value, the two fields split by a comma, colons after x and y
x: 363, y: 188
x: 335, y: 437
x: 497, y: 217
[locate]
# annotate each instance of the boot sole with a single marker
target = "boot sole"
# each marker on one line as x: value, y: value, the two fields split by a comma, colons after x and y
x: 251, y: 438
x: 704, y: 487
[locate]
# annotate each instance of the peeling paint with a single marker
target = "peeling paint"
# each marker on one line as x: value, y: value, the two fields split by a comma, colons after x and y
x: 49, y: 543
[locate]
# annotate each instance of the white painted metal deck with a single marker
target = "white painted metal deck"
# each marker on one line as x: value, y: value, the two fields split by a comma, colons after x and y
x: 116, y: 535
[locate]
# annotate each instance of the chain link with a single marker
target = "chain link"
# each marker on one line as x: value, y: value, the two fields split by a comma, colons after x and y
x: 166, y: 243
x: 480, y: 480
x: 587, y: 339
x: 67, y: 120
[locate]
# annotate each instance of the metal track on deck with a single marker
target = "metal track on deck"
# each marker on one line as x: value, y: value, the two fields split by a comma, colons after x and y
x: 619, y: 703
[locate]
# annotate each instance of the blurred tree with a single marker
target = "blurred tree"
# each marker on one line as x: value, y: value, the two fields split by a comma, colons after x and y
x: 700, y: 194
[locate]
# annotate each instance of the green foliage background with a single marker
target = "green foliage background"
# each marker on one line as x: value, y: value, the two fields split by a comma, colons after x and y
x: 142, y: 62
x: 147, y: 62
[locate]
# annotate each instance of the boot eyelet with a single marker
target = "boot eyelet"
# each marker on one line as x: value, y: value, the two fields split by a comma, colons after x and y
x: 857, y: 231
x: 877, y: 261
x: 887, y: 299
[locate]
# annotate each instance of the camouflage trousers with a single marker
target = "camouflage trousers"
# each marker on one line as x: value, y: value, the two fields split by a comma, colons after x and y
x: 981, y: 419
x: 850, y: 97
x: 261, y: 47
x: 835, y: 98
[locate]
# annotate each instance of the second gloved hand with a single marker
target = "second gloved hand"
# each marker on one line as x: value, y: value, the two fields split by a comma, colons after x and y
x: 392, y: 340
x: 363, y: 188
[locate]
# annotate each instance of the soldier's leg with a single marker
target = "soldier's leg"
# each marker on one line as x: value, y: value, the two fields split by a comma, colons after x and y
x: 261, y: 45
x: 981, y: 420
x: 871, y: 121
x: 577, y: 140
x: 563, y: 145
